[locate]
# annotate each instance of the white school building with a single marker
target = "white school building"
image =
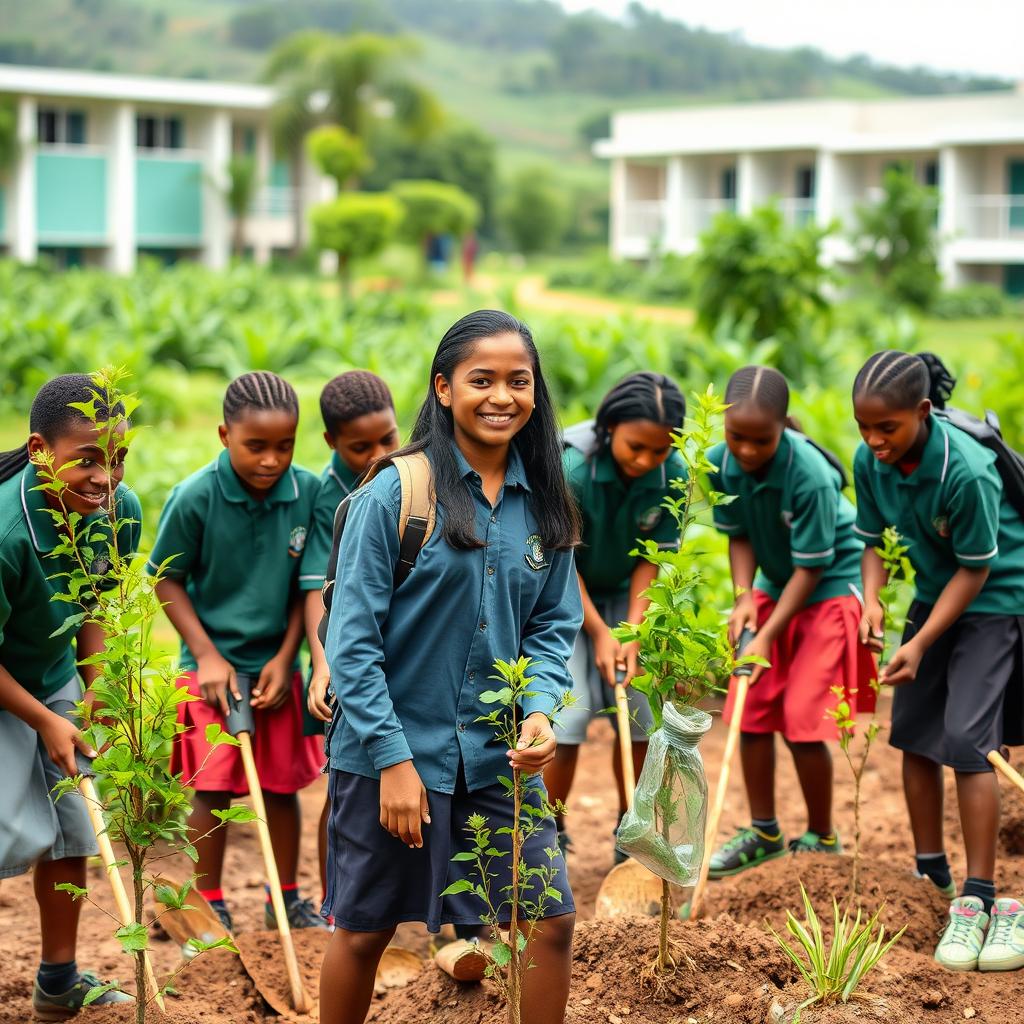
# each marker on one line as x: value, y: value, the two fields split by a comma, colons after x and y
x: 673, y: 170
x: 109, y: 167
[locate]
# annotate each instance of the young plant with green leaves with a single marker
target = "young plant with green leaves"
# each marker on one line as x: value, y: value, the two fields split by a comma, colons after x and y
x: 684, y: 649
x: 527, y: 898
x: 899, y: 573
x: 834, y: 971
x: 131, y: 713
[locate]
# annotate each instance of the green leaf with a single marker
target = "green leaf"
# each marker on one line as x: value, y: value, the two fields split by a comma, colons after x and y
x: 501, y: 954
x: 462, y: 885
x: 134, y: 938
x: 239, y: 813
x: 98, y: 990
x: 204, y: 947
x: 76, y: 891
x: 217, y: 737
x: 502, y: 696
x: 464, y: 857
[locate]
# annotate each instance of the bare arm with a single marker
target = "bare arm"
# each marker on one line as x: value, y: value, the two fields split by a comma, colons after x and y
x: 606, y: 647
x: 321, y: 675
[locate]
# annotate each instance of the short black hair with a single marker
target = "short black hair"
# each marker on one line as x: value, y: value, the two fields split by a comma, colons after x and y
x: 351, y: 395
x: 260, y: 390
x: 52, y: 413
x: 641, y: 396
x: 762, y: 386
x: 904, y: 380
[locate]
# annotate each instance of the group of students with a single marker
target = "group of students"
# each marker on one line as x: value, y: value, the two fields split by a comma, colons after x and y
x: 533, y: 540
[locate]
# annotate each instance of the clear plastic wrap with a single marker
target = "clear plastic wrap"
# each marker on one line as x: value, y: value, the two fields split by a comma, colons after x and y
x: 664, y: 829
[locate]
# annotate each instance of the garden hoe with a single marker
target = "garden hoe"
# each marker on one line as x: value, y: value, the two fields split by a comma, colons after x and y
x: 629, y: 889
x: 1000, y: 762
x: 742, y: 674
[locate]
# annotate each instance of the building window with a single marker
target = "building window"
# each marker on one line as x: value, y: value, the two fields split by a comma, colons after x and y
x: 156, y: 132
x: 805, y: 182
x: 930, y: 173
x: 727, y: 183
x: 58, y: 127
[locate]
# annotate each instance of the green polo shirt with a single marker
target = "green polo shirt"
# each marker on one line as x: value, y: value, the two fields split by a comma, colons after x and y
x: 238, y: 557
x: 951, y: 512
x: 795, y: 517
x: 336, y: 481
x: 617, y: 514
x: 28, y: 614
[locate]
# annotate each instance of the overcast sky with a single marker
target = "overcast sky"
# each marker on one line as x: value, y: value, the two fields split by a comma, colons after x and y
x: 982, y: 36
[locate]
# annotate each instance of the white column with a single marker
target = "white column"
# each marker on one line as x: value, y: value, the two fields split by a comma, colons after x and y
x: 261, y: 247
x: 825, y: 187
x: 618, y: 205
x: 674, y: 205
x: 746, y: 184
x: 215, y: 138
x: 951, y: 186
x: 25, y: 245
x: 121, y: 190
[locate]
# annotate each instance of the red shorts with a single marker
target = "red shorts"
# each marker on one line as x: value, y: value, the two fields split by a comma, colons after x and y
x: 286, y: 761
x: 819, y: 649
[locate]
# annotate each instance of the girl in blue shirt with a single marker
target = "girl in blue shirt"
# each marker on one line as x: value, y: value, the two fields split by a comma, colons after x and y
x: 409, y: 758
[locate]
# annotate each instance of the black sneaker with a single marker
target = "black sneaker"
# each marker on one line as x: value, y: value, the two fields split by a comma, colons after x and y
x: 52, y: 1006
x: 748, y: 848
x: 300, y: 915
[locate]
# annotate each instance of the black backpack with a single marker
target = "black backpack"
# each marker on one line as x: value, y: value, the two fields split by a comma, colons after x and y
x: 988, y: 433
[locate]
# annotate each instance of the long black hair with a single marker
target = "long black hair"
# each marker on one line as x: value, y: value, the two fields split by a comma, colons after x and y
x: 640, y: 396
x: 51, y: 414
x: 904, y: 380
x: 538, y: 443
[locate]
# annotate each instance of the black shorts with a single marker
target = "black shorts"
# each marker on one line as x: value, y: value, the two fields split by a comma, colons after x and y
x: 374, y: 881
x: 967, y: 697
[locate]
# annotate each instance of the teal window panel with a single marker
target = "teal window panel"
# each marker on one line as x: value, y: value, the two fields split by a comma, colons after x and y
x: 168, y: 200
x: 280, y: 174
x: 1013, y: 280
x: 76, y: 127
x: 71, y: 198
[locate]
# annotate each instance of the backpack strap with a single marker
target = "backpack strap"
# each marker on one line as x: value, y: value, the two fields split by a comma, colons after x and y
x: 418, y: 512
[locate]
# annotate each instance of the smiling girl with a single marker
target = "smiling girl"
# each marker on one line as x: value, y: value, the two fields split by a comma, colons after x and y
x: 410, y: 759
x: 39, y: 678
x: 232, y: 535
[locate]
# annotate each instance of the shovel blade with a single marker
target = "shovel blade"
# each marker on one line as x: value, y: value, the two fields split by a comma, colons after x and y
x: 629, y: 890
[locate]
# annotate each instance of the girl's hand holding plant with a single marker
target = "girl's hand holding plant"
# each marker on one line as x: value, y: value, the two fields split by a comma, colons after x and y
x: 274, y: 685
x: 536, y: 746
x: 403, y: 804
x: 317, y: 698
x: 216, y: 675
x: 743, y: 616
x: 872, y: 623
x: 902, y: 666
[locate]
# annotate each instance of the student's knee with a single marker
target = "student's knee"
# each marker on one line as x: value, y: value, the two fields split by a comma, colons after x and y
x: 814, y: 748
x: 962, y: 751
x: 364, y: 945
x: 555, y: 933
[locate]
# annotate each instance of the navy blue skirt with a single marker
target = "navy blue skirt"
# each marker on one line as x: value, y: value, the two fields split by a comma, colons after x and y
x: 375, y: 882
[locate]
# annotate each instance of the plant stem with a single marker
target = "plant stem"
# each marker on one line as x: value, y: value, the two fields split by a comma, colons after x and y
x: 515, y: 965
x: 664, y: 960
x: 141, y: 994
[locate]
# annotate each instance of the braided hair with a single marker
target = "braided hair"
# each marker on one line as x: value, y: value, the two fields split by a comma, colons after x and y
x: 763, y: 387
x: 52, y: 413
x: 640, y: 396
x: 351, y: 395
x: 904, y: 380
x: 260, y: 390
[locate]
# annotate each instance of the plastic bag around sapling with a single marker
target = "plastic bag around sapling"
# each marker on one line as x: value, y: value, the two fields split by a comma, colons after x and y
x: 664, y: 829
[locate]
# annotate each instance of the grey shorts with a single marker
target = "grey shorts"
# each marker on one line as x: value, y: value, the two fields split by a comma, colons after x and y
x: 593, y: 695
x: 33, y: 827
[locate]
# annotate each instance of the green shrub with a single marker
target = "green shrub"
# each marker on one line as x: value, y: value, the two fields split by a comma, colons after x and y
x: 973, y: 302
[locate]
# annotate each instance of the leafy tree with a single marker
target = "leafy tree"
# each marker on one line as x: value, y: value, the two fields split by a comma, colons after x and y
x: 8, y: 134
x: 533, y: 212
x: 355, y: 225
x: 434, y: 208
x: 764, y: 275
x: 338, y: 153
x: 239, y: 194
x: 896, y: 240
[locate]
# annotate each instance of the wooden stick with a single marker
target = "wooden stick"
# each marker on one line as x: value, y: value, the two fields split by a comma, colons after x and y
x: 299, y: 998
x: 625, y: 743
x: 1003, y: 765
x: 742, y: 686
x: 124, y: 910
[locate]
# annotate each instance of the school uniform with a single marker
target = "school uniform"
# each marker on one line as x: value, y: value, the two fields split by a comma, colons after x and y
x: 408, y: 666
x: 951, y: 512
x: 616, y: 516
x: 35, y: 827
x: 795, y: 516
x: 238, y: 558
x: 336, y: 482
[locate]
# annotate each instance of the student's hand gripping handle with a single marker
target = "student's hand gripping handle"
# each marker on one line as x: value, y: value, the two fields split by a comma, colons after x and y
x: 239, y: 718
x: 741, y: 645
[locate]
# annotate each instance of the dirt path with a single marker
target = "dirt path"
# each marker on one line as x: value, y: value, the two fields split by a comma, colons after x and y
x: 532, y: 291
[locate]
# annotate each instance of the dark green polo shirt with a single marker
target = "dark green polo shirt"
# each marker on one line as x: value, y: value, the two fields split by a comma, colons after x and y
x: 237, y: 557
x: 795, y: 517
x: 28, y: 614
x: 951, y: 512
x: 336, y: 481
x: 617, y: 514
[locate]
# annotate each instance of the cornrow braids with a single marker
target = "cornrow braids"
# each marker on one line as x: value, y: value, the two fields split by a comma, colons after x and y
x: 904, y: 380
x: 52, y: 413
x: 261, y: 390
x: 351, y: 395
x: 762, y: 386
x: 641, y: 396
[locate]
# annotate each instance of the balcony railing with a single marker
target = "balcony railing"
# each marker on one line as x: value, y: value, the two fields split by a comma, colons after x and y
x: 797, y: 212
x: 644, y: 219
x: 996, y: 217
x: 698, y: 214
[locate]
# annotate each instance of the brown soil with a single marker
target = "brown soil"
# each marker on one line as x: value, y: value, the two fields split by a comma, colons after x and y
x: 733, y: 971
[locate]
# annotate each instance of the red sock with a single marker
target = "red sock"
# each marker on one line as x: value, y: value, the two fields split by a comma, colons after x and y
x: 211, y: 895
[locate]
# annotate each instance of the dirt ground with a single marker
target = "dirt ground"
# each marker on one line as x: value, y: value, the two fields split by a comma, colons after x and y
x: 733, y: 973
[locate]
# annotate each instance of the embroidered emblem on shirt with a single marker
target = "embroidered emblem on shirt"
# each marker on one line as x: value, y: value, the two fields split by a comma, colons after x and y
x: 536, y: 558
x: 650, y: 519
x: 941, y: 524
x: 296, y: 541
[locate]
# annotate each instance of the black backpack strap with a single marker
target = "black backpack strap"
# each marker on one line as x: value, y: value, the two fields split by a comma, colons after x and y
x: 415, y: 536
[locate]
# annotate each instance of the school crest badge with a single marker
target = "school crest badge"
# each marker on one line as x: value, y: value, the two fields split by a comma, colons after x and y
x: 941, y: 524
x: 648, y: 520
x: 296, y: 541
x: 536, y: 557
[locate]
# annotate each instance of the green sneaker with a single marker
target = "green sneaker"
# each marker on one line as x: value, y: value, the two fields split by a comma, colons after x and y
x: 48, y: 1006
x: 949, y: 891
x: 301, y: 914
x: 747, y: 849
x: 1004, y: 944
x: 964, y: 936
x: 811, y: 842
